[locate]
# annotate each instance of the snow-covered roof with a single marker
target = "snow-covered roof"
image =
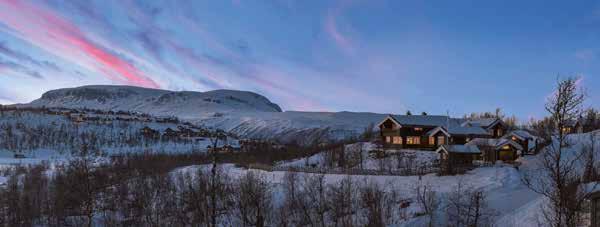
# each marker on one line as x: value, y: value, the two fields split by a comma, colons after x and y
x: 421, y: 120
x: 522, y: 134
x: 483, y: 122
x: 496, y: 143
x: 456, y: 128
x: 464, y: 149
x: 451, y: 125
x: 432, y: 132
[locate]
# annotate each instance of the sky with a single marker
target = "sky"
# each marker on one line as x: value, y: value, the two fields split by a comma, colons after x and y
x: 331, y: 55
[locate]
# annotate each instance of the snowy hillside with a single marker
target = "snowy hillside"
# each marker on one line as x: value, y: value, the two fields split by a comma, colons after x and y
x: 243, y: 113
x: 159, y: 102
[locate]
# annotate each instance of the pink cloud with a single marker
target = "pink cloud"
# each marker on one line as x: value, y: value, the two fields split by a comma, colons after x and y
x: 331, y: 28
x: 49, y: 31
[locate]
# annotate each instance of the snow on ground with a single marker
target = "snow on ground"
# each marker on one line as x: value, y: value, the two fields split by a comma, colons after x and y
x: 515, y: 204
x: 414, y: 157
x: 502, y: 183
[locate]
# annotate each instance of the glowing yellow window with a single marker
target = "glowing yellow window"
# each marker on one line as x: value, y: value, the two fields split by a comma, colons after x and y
x: 397, y: 140
x: 413, y: 140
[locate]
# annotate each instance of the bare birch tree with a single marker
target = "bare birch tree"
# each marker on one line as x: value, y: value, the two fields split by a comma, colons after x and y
x: 560, y: 174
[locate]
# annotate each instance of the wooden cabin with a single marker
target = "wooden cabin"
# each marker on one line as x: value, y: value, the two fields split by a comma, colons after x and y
x: 573, y: 126
x: 428, y: 132
x: 494, y: 126
x: 493, y: 150
x: 594, y: 199
x: 150, y: 133
x: 528, y: 141
x: 457, y: 157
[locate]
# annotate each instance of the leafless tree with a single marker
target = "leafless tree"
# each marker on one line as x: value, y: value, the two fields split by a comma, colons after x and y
x: 253, y: 200
x: 342, y: 200
x: 290, y: 210
x: 560, y: 175
x: 313, y: 201
x: 377, y: 204
x: 428, y: 200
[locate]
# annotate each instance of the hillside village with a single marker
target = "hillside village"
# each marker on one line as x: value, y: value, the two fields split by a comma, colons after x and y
x: 397, y: 170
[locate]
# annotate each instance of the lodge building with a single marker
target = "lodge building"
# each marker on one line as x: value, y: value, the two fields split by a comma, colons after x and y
x: 427, y: 132
x: 458, y: 141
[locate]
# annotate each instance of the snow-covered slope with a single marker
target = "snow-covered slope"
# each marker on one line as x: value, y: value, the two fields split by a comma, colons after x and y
x: 243, y: 113
x: 159, y: 102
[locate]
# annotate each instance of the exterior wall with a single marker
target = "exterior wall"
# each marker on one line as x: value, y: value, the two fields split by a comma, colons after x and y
x: 388, y: 131
x: 454, y: 162
x: 595, y: 208
x: 507, y: 154
x: 523, y: 143
x: 498, y: 131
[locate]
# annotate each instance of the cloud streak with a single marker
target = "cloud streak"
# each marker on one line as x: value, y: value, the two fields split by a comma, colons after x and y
x: 332, y: 29
x: 16, y: 67
x: 51, y: 32
x: 5, y: 50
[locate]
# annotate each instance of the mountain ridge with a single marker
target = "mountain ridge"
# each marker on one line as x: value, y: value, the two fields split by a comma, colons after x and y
x: 243, y: 113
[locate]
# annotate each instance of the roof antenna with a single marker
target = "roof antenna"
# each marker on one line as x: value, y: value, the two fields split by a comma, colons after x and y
x: 448, y: 120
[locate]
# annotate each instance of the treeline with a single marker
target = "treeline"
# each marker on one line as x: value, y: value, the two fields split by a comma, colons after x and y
x: 128, y: 193
x: 589, y: 120
x: 24, y: 131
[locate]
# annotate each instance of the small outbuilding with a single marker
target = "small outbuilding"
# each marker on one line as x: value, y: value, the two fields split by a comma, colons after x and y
x: 493, y: 150
x: 455, y: 158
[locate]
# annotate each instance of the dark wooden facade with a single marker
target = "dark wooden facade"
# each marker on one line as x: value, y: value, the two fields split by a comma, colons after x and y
x: 505, y: 153
x: 595, y: 209
x: 497, y: 129
x: 410, y: 136
x: 456, y: 162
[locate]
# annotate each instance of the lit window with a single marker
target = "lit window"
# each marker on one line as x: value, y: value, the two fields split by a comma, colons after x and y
x: 441, y: 140
x: 506, y: 147
x: 431, y: 140
x: 413, y: 140
x: 388, y: 139
x: 418, y: 129
x: 397, y: 140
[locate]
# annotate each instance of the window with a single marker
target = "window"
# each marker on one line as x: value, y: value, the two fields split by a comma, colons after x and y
x: 397, y: 140
x: 431, y: 140
x: 441, y: 140
x: 413, y: 140
x: 418, y: 129
x: 499, y: 132
x: 388, y: 139
x: 505, y: 147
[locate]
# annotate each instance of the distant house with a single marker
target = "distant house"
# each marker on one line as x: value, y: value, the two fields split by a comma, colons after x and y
x: 572, y: 126
x: 170, y: 134
x: 150, y: 133
x: 524, y: 138
x: 430, y: 132
x: 455, y: 157
x: 494, y: 126
x: 493, y: 150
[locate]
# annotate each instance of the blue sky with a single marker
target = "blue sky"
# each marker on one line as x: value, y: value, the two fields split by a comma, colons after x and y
x: 367, y: 56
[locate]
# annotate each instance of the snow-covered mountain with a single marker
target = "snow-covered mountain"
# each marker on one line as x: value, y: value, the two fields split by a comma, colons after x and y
x: 243, y: 113
x: 159, y: 102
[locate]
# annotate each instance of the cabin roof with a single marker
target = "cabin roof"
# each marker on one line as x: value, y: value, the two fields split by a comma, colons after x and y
x: 496, y: 143
x: 435, y: 130
x: 522, y: 134
x: 463, y: 149
x: 451, y: 125
x: 483, y: 122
